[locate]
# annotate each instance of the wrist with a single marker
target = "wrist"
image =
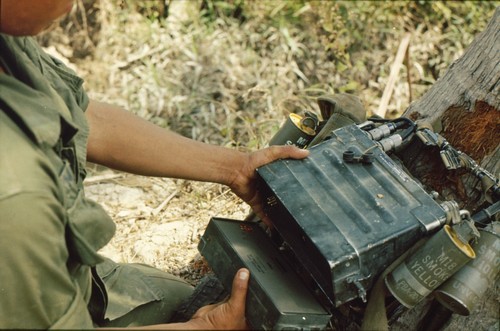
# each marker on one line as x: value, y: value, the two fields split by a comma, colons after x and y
x: 232, y: 168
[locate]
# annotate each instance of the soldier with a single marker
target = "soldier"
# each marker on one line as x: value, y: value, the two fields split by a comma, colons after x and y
x: 51, y: 274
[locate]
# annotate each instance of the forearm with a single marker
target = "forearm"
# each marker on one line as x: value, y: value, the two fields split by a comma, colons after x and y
x: 123, y: 141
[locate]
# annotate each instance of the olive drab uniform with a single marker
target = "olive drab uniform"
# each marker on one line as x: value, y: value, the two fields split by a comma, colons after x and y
x: 51, y: 275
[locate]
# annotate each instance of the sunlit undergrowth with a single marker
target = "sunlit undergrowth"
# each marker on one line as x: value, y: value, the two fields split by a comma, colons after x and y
x: 228, y: 72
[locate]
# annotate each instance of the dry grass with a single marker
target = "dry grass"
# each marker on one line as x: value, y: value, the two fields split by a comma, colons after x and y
x: 231, y: 82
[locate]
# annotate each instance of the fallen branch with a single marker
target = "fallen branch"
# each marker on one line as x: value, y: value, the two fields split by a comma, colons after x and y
x: 162, y: 205
x: 396, y: 66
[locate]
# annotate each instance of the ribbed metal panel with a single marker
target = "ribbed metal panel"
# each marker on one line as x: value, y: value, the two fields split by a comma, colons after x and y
x: 346, y: 221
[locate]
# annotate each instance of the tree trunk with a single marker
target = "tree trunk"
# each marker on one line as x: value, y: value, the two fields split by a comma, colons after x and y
x: 464, y: 105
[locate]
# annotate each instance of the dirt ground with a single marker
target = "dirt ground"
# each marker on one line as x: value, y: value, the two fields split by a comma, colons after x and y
x: 160, y: 221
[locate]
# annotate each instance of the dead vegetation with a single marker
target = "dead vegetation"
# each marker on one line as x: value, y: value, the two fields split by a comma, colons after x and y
x: 231, y: 81
x: 228, y: 73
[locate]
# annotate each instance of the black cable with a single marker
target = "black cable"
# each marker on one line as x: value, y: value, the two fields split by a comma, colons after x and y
x: 378, y: 120
x: 486, y: 215
x: 402, y: 122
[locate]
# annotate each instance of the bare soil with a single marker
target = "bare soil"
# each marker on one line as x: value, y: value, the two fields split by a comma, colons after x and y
x: 231, y: 86
x: 159, y: 221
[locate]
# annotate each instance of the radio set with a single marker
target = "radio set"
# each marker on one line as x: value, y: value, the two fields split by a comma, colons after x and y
x: 343, y: 216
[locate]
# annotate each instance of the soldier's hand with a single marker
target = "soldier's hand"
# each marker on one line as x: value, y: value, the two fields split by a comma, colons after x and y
x: 227, y: 315
x: 245, y: 185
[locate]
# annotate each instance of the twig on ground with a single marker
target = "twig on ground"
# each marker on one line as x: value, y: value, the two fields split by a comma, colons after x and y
x: 162, y: 205
x: 386, y: 96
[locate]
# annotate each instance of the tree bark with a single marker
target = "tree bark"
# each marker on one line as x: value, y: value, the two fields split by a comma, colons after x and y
x: 464, y: 106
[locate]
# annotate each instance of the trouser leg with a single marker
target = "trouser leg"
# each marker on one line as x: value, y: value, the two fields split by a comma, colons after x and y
x: 140, y: 295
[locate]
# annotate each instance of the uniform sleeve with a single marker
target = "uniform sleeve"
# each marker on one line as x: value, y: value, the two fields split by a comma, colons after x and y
x: 36, y: 290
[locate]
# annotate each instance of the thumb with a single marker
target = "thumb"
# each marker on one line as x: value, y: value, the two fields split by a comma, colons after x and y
x: 239, y: 290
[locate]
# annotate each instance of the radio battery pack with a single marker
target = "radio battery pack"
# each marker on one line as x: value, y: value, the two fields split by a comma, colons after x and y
x: 276, y: 299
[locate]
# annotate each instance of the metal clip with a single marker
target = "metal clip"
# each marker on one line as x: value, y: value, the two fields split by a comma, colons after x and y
x: 452, y: 212
x: 450, y: 159
x: 428, y: 137
x: 356, y: 280
x: 466, y: 230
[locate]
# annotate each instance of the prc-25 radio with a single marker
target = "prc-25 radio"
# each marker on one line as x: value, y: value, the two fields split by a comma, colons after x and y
x: 349, y: 214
